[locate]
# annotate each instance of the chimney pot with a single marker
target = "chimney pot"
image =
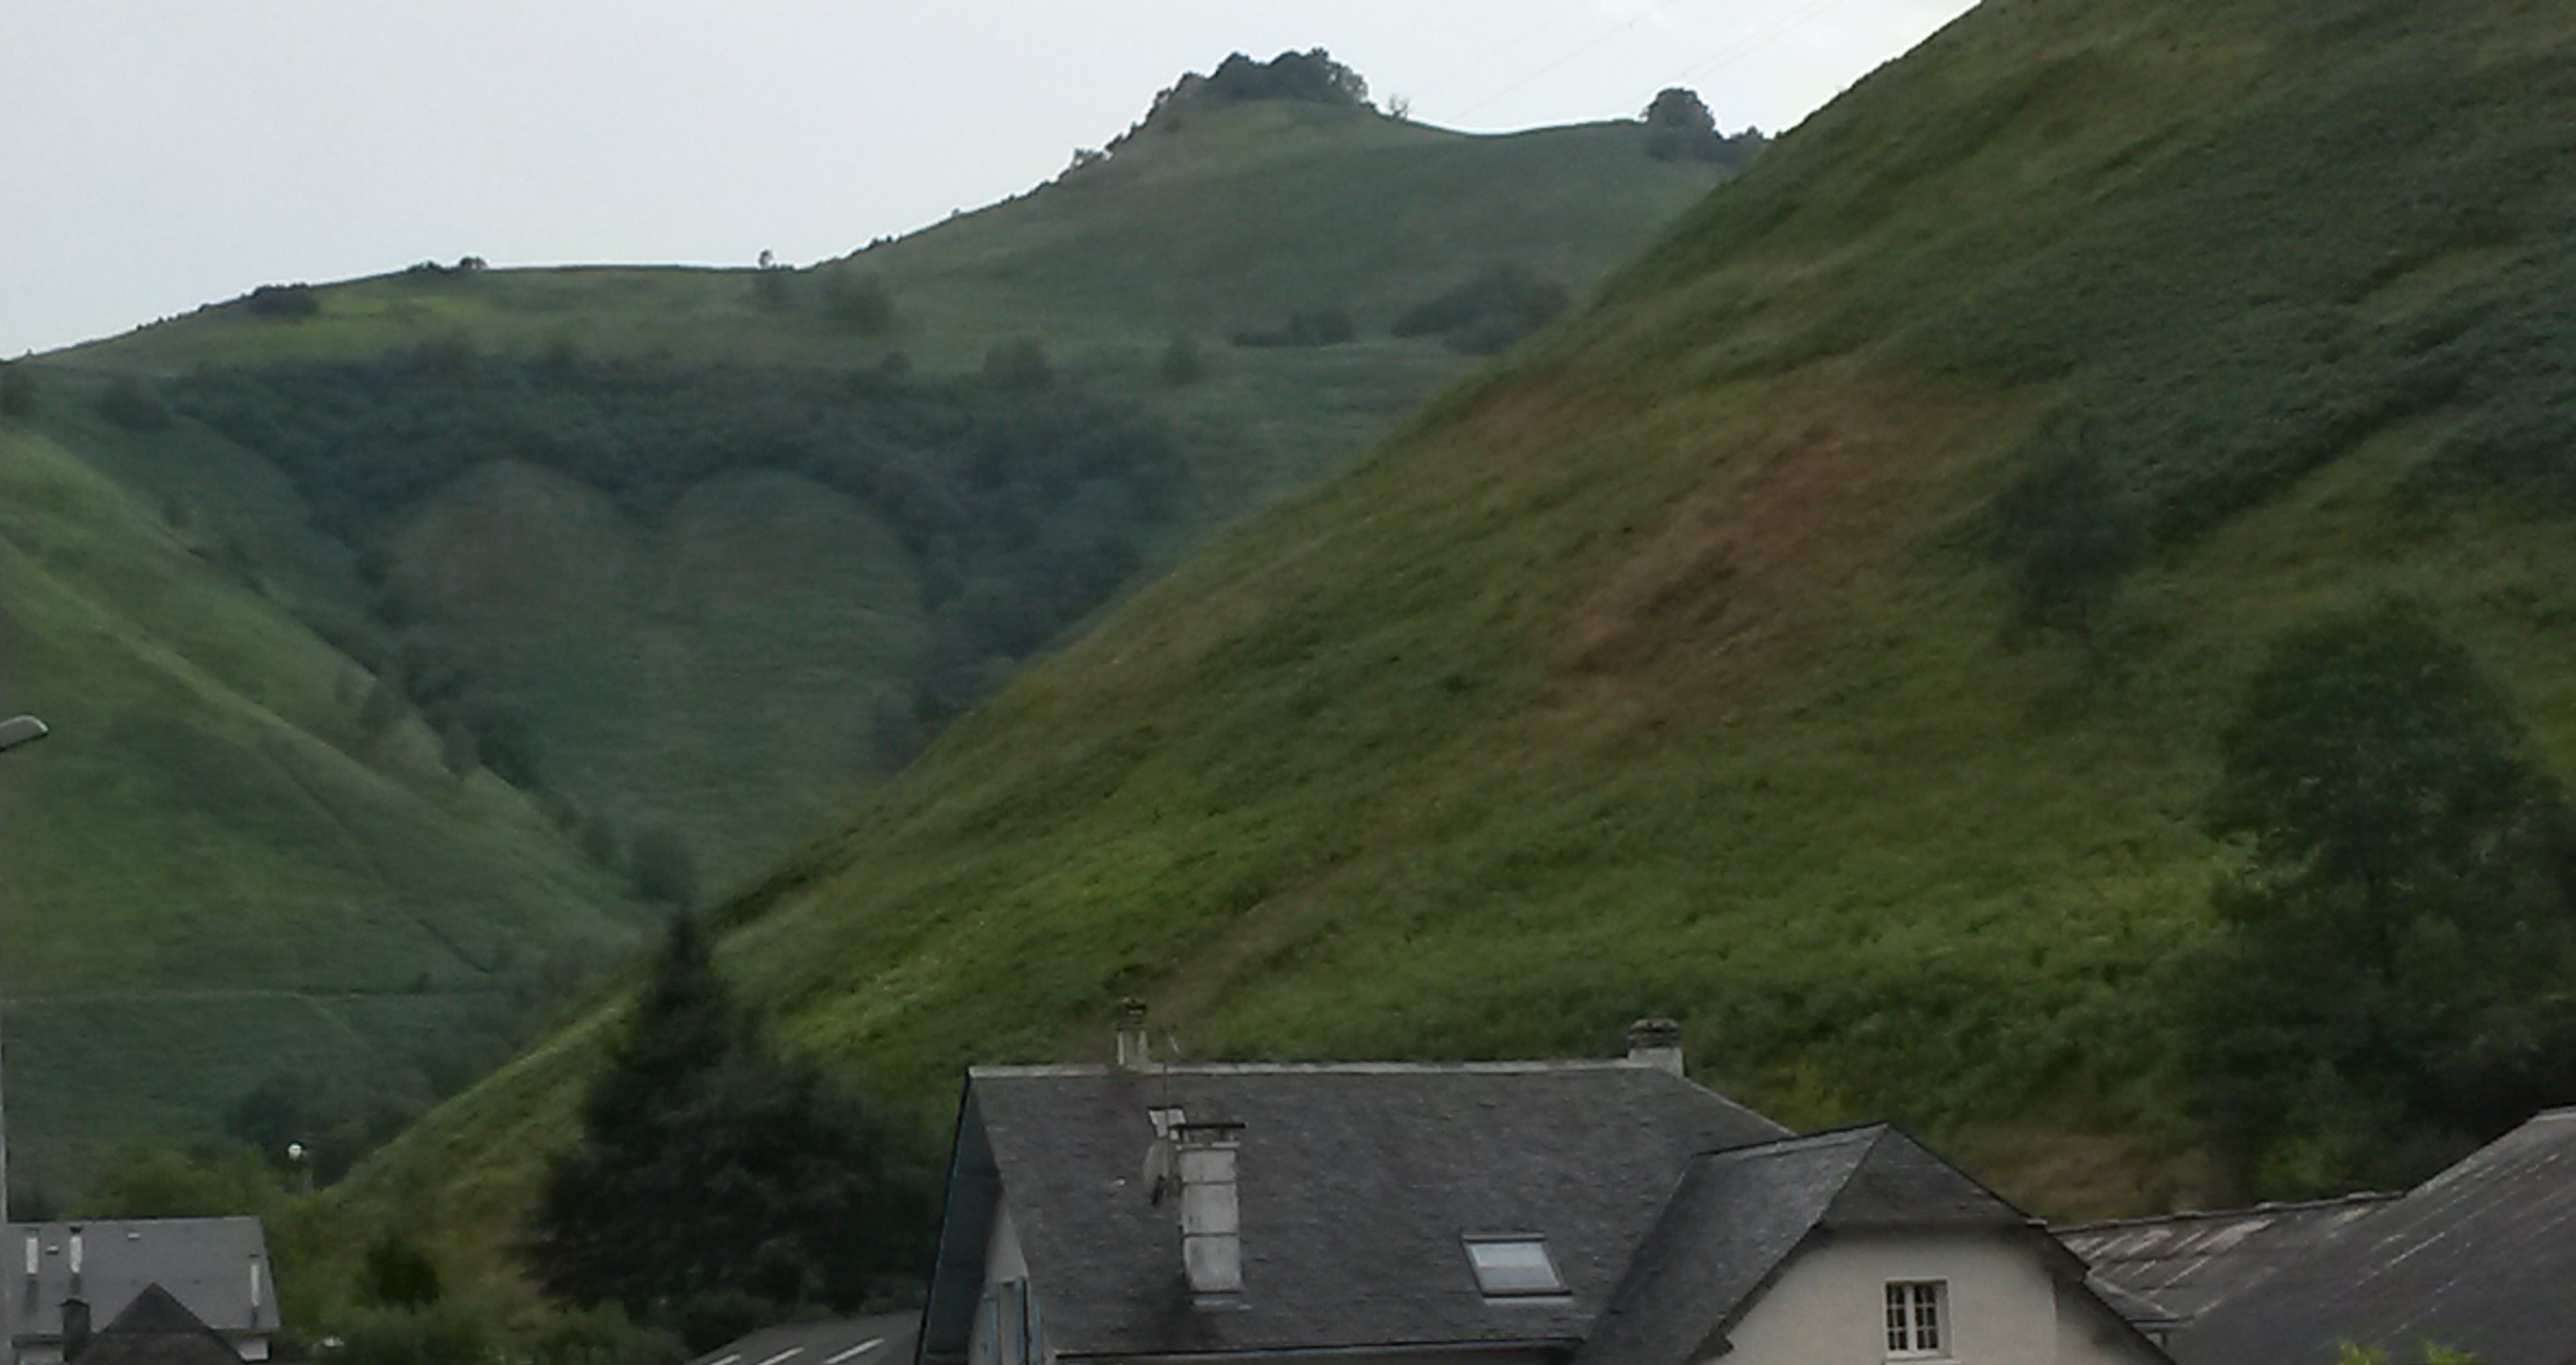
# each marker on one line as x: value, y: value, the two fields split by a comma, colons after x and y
x: 1656, y: 1043
x: 1211, y: 1217
x: 1133, y: 1052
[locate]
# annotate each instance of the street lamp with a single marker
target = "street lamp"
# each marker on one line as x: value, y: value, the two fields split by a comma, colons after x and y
x: 15, y: 732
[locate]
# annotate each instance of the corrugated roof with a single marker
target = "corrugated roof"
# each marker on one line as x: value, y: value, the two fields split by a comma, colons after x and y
x: 2189, y: 1263
x: 1357, y: 1184
x: 207, y: 1264
x: 2482, y: 1258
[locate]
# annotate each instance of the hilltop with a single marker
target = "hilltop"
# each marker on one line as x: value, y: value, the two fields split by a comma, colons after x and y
x: 401, y: 633
x: 1747, y: 648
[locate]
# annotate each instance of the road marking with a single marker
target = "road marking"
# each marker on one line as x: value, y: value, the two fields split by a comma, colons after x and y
x: 728, y: 1360
x: 783, y: 1355
x: 868, y: 1345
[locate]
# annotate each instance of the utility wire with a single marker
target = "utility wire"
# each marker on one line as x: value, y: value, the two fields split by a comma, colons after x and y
x: 1796, y: 19
x: 1650, y: 12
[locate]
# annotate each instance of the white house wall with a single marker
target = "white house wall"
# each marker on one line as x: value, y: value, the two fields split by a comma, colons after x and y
x: 1829, y: 1306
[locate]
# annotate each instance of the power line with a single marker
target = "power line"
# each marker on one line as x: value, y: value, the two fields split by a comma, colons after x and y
x: 1651, y: 11
x: 1795, y: 20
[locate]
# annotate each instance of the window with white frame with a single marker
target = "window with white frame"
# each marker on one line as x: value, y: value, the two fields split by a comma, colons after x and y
x: 1918, y: 1314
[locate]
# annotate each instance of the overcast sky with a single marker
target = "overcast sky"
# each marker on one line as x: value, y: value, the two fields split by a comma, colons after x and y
x: 159, y: 154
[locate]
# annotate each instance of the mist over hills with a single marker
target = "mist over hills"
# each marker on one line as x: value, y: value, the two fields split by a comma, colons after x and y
x: 1743, y: 648
x: 409, y: 639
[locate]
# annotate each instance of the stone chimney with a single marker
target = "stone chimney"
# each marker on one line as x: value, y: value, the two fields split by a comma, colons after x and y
x: 75, y: 1329
x: 1133, y: 1051
x: 1656, y: 1043
x: 1211, y: 1220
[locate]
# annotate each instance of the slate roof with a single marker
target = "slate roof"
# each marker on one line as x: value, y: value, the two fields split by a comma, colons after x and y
x: 1357, y: 1183
x: 878, y: 1339
x: 2189, y: 1263
x: 206, y: 1263
x: 1740, y: 1216
x: 2481, y: 1258
x: 156, y: 1329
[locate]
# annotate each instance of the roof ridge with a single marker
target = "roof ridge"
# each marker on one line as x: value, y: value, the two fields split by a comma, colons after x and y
x: 1824, y: 1137
x: 2201, y: 1215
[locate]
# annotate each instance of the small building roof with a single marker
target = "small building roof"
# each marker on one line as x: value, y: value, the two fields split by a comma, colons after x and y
x: 2480, y: 1258
x: 216, y: 1267
x: 157, y: 1329
x: 2189, y: 1263
x: 1358, y: 1184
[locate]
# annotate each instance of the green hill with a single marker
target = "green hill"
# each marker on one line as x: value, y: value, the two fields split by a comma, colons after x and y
x: 710, y: 666
x: 1719, y: 654
x: 220, y: 871
x: 383, y: 623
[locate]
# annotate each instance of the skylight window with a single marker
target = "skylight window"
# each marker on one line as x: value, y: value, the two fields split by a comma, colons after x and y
x: 1513, y: 1267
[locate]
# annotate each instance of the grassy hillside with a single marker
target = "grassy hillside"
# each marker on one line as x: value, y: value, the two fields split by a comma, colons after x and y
x: 1712, y: 656
x: 695, y: 672
x: 218, y: 874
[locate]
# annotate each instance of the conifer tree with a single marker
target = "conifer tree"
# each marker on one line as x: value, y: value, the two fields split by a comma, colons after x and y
x: 713, y: 1171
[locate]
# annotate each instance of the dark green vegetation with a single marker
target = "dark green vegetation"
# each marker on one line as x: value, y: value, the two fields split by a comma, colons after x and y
x: 1704, y: 656
x: 402, y: 635
x: 718, y: 1186
x: 2401, y: 973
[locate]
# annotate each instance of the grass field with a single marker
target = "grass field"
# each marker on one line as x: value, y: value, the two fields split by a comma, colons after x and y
x: 1675, y: 665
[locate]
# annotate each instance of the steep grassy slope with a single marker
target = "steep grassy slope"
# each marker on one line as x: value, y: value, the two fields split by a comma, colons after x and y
x: 1688, y: 662
x: 730, y: 660
x: 217, y: 874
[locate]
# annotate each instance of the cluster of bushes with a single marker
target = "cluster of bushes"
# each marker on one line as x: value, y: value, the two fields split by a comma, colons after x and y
x: 1486, y: 314
x: 1330, y: 326
x: 466, y: 267
x: 1310, y: 77
x: 857, y: 304
x: 1023, y: 499
x: 282, y: 302
x: 1679, y: 127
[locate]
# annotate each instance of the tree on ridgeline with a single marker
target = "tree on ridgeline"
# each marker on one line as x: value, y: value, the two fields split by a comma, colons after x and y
x: 717, y: 1179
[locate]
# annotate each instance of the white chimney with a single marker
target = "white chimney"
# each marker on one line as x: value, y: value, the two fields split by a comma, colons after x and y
x: 1211, y: 1219
x: 1133, y: 1052
x: 1656, y: 1043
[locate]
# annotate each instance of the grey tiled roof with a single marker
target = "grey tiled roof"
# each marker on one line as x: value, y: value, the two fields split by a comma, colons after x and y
x: 1740, y: 1216
x: 2189, y: 1263
x: 205, y: 1263
x: 1357, y: 1183
x: 156, y: 1329
x: 2482, y: 1257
